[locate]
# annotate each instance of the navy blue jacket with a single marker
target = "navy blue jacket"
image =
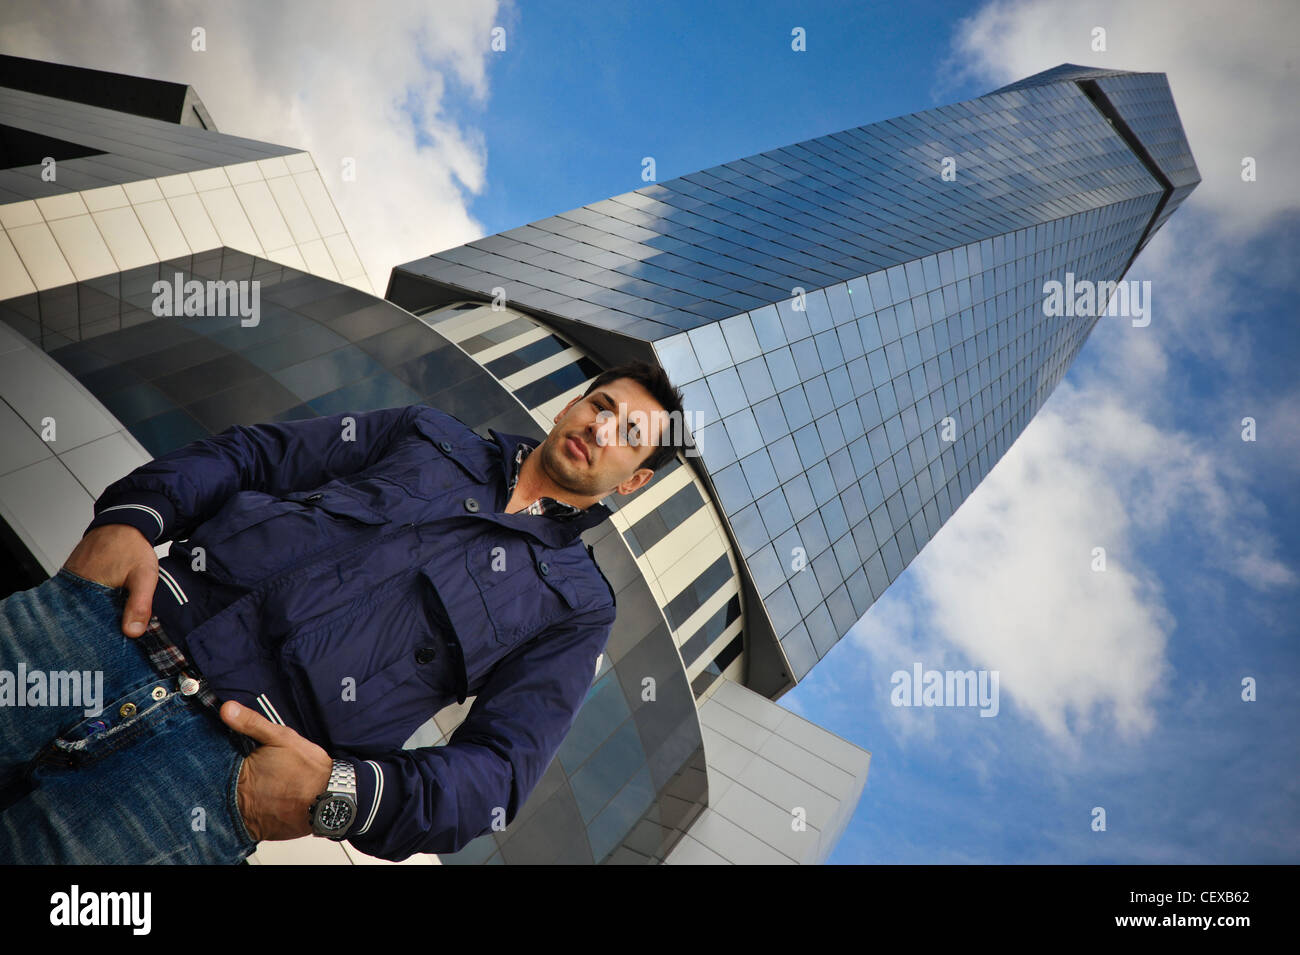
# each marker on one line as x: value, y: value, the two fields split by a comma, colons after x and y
x: 351, y: 575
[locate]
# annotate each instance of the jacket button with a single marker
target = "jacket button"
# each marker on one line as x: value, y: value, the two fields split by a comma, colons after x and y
x: 315, y: 497
x: 445, y: 445
x: 543, y: 568
x: 471, y: 505
x: 425, y: 655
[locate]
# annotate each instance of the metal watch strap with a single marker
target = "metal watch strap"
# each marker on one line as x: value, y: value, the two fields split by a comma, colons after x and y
x: 343, y: 778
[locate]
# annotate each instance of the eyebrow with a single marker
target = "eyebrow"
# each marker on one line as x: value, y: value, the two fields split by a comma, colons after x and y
x: 614, y: 404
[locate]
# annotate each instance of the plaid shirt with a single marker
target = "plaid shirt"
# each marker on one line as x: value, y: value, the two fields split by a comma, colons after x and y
x: 170, y: 661
x: 548, y: 506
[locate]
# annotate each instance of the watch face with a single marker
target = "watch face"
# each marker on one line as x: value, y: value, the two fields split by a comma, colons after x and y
x: 335, y: 814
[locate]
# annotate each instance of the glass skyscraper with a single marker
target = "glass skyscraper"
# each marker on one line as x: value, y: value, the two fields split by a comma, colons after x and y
x: 857, y: 320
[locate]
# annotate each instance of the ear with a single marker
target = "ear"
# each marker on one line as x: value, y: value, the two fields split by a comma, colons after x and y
x: 640, y: 477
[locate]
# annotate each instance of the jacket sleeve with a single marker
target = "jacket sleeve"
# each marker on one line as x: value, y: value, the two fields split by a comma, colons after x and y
x: 440, y: 798
x: 168, y: 497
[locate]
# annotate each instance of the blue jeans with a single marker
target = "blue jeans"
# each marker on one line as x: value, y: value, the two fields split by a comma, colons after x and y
x: 150, y: 779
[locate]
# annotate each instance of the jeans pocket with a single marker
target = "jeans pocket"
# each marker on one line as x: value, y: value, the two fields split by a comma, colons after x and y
x: 85, y: 582
x: 232, y: 807
x: 116, y: 725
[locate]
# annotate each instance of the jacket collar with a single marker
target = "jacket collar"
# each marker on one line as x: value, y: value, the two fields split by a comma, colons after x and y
x: 554, y: 530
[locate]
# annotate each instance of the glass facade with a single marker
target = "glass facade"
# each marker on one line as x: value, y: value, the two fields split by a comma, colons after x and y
x: 862, y: 335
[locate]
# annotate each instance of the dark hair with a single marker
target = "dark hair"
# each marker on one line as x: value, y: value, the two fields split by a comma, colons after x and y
x: 655, y: 380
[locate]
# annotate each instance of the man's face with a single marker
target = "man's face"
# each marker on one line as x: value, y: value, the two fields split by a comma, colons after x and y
x: 600, y: 441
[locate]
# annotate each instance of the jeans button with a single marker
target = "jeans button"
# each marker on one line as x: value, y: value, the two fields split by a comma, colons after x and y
x: 127, y: 710
x: 158, y: 692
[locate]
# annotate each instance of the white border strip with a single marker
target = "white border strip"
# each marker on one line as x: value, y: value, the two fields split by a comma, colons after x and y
x: 265, y: 703
x: 379, y: 794
x: 142, y: 507
x: 165, y: 576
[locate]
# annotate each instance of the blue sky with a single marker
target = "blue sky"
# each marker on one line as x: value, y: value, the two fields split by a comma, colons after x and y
x: 583, y: 94
x: 1120, y: 690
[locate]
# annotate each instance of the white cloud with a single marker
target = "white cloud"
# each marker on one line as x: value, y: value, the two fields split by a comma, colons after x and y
x: 1203, y: 288
x: 332, y: 78
x: 1008, y: 584
x: 889, y: 635
x: 1230, y: 67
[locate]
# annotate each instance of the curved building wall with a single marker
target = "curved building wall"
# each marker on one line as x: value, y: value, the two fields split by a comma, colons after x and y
x: 630, y: 777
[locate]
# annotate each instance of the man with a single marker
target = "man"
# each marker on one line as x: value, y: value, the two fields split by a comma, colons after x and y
x: 335, y: 582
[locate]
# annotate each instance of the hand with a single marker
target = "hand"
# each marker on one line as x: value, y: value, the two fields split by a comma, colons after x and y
x: 118, y: 555
x: 280, y: 779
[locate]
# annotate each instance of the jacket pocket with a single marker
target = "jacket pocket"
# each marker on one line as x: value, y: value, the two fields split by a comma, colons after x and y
x: 493, y: 562
x: 433, y: 461
x: 338, y: 504
x: 376, y: 710
x: 262, y: 538
x: 468, y: 451
x: 521, y: 587
x: 241, y: 511
x: 359, y: 672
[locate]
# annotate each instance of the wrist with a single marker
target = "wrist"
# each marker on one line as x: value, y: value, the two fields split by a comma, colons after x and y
x: 333, y: 812
x: 116, y: 530
x: 320, y: 778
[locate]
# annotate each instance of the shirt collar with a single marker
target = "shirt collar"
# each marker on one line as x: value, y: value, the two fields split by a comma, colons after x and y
x: 515, y: 448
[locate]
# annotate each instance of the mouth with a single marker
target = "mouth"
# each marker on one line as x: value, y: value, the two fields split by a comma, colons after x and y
x: 577, y: 449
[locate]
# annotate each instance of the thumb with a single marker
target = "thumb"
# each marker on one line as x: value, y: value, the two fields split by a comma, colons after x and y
x: 140, y: 584
x: 249, y: 722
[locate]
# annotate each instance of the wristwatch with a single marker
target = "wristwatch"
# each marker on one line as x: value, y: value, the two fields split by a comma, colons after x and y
x: 335, y: 810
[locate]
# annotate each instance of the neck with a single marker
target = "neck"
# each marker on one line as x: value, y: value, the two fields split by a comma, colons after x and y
x: 533, y: 484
